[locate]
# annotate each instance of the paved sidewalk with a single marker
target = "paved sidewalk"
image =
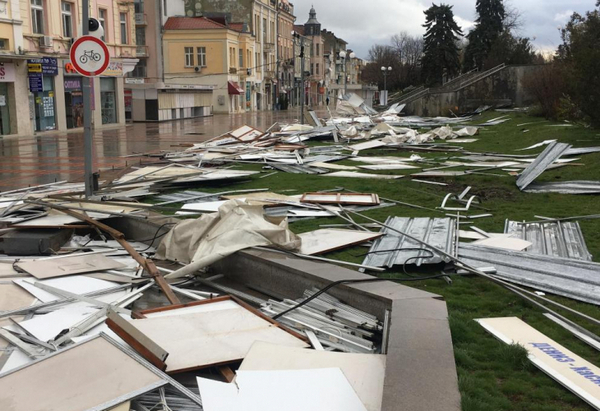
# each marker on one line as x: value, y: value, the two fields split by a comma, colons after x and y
x: 50, y: 157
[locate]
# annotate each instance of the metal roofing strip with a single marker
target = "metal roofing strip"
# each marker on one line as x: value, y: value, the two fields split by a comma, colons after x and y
x: 387, y: 251
x: 543, y: 161
x: 566, y: 187
x: 554, y: 238
x: 571, y: 278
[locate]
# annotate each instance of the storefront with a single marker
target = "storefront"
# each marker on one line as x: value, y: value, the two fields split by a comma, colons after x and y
x: 7, y: 75
x: 42, y: 98
x: 108, y: 100
x: 108, y: 92
x: 73, y: 102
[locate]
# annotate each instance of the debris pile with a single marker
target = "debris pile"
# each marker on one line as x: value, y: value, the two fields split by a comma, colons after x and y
x: 126, y: 303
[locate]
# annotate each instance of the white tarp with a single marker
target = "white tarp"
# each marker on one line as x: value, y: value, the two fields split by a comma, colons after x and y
x: 236, y: 226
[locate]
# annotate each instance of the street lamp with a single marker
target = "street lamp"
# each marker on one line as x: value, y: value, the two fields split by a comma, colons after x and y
x: 343, y: 56
x: 386, y: 71
x: 297, y: 36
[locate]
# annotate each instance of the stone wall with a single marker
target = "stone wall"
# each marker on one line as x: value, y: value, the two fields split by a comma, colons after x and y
x: 501, y: 88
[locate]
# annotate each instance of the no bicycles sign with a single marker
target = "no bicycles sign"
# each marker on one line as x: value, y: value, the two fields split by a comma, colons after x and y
x: 89, y: 56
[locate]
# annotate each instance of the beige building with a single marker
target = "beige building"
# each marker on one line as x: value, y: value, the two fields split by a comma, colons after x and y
x: 260, y: 16
x: 152, y: 95
x: 285, y: 53
x: 198, y: 50
x: 40, y: 91
x: 315, y: 87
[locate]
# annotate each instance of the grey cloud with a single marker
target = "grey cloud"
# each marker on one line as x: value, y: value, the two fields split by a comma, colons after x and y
x: 363, y: 24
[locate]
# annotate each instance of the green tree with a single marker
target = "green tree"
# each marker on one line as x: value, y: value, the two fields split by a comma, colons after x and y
x: 580, y: 52
x: 488, y: 28
x: 440, y: 53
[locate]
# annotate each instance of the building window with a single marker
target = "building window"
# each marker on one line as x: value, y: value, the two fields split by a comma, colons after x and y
x: 241, y: 58
x: 67, y: 19
x: 140, y: 36
x: 102, y: 20
x: 265, y: 29
x: 318, y: 49
x: 189, y: 56
x: 318, y: 69
x: 202, y: 56
x: 37, y: 16
x: 123, y: 24
x: 249, y: 58
x: 139, y: 70
x: 3, y: 44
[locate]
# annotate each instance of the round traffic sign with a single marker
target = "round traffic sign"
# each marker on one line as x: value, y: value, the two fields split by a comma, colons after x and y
x: 89, y: 56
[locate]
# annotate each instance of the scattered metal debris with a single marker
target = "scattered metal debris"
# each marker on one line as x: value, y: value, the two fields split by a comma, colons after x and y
x: 554, y: 238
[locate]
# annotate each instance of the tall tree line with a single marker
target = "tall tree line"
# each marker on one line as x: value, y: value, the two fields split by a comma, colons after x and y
x: 444, y: 52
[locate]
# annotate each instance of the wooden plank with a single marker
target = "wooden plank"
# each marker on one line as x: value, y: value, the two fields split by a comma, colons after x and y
x: 151, y: 351
x: 226, y: 372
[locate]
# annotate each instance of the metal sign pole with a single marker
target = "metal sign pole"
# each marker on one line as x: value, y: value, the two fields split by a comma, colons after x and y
x: 302, y: 79
x: 87, y: 113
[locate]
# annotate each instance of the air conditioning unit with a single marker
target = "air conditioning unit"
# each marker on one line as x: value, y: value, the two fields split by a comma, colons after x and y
x: 46, y: 41
x: 197, y: 69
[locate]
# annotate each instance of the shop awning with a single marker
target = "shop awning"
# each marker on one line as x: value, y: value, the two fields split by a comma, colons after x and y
x: 234, y: 88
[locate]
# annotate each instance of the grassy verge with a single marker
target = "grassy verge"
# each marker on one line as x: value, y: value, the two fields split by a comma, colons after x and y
x: 492, y: 375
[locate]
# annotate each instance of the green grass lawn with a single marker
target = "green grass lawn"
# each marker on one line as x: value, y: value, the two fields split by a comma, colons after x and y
x: 492, y: 375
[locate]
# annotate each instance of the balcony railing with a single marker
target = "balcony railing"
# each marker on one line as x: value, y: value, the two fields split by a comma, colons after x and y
x: 141, y: 51
x: 140, y: 19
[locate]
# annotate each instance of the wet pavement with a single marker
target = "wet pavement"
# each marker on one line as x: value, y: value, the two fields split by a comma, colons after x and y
x: 50, y: 157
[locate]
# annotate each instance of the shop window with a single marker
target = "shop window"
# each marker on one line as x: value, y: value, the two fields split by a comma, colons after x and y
x: 202, y: 56
x: 37, y: 16
x: 67, y: 19
x: 123, y: 25
x: 108, y: 100
x: 189, y: 56
x: 102, y: 18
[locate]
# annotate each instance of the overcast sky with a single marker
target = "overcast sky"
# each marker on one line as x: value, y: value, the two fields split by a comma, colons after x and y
x: 364, y: 23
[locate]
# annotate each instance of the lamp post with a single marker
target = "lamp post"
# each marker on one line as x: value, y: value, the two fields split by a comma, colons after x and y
x: 343, y: 56
x: 297, y: 36
x: 386, y: 71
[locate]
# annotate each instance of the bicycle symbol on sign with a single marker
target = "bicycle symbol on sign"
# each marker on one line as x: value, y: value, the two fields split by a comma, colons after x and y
x: 89, y: 55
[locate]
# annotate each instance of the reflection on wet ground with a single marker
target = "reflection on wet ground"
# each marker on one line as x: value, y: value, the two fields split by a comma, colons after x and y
x: 50, y: 157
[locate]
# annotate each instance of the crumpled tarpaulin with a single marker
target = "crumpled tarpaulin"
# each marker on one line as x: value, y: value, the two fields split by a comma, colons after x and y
x: 236, y: 226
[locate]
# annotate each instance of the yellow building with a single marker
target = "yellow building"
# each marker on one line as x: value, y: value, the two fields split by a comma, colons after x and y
x: 40, y: 91
x: 212, y: 52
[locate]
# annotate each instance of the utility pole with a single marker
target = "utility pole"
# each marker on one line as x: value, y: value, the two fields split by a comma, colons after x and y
x: 87, y: 113
x: 302, y: 80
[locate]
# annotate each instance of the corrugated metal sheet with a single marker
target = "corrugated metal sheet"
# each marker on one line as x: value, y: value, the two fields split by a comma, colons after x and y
x: 555, y: 238
x: 543, y: 161
x: 575, y: 279
x: 387, y: 251
x: 298, y: 169
x: 566, y: 187
x: 582, y: 150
